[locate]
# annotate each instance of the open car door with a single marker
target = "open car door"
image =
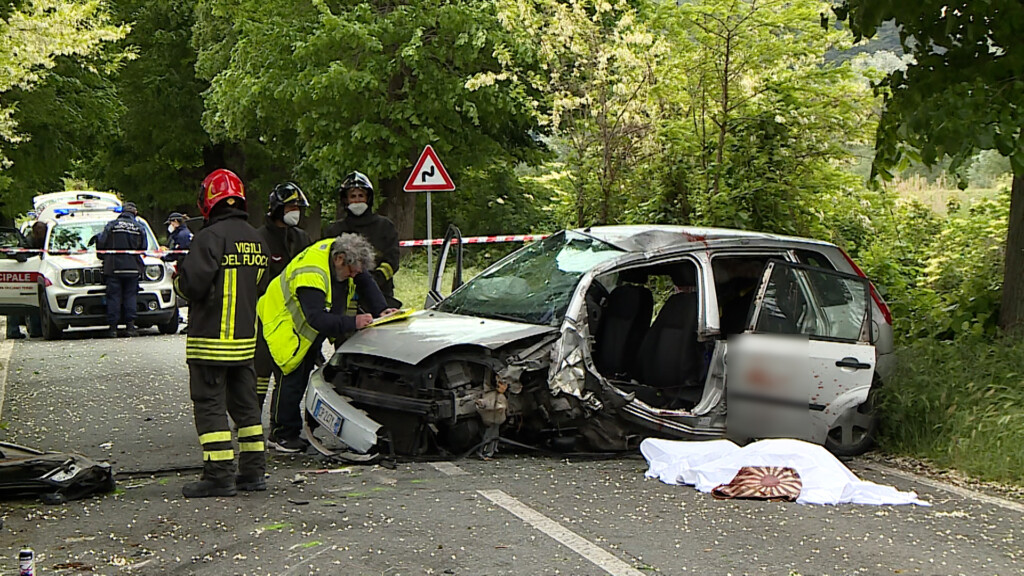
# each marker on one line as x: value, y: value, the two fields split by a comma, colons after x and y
x: 452, y: 242
x: 19, y: 274
x: 806, y: 347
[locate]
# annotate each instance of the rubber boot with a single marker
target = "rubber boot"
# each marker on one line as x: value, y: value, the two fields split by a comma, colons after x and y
x: 251, y: 483
x: 208, y: 489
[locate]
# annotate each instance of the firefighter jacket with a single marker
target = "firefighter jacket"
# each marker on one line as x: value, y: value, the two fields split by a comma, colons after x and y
x: 284, y: 243
x: 286, y: 328
x: 382, y: 235
x: 222, y: 276
x: 122, y: 233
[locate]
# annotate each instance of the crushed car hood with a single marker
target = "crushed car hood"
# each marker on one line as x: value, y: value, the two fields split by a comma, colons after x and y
x: 428, y: 331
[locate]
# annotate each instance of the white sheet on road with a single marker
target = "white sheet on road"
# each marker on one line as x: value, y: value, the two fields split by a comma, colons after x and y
x: 707, y: 464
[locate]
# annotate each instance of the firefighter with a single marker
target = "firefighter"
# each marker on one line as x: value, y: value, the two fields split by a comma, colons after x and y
x: 305, y: 305
x: 285, y: 239
x: 221, y: 277
x: 356, y: 194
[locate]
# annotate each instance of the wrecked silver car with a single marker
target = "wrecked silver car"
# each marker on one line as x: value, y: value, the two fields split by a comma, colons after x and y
x: 593, y: 339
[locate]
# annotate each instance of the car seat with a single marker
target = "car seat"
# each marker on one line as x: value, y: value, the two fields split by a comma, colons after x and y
x: 670, y: 356
x: 626, y: 318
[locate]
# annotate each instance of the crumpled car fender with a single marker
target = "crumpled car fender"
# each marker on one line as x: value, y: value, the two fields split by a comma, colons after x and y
x: 55, y: 477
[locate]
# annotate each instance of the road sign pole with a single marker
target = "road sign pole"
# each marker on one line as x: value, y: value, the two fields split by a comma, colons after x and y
x: 430, y: 246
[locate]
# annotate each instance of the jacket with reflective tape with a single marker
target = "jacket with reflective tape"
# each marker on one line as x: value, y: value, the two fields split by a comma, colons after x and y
x: 221, y: 277
x: 289, y: 335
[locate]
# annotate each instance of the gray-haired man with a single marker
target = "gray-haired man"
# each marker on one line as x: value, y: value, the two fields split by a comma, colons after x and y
x: 305, y: 305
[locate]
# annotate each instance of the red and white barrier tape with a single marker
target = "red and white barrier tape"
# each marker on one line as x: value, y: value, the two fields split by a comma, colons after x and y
x: 476, y: 240
x: 402, y: 243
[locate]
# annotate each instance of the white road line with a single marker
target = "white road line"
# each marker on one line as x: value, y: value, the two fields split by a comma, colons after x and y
x: 964, y: 492
x: 566, y: 537
x: 449, y: 469
x: 6, y: 347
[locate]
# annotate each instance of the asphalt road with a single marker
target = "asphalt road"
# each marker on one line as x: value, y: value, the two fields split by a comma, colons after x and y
x: 126, y: 401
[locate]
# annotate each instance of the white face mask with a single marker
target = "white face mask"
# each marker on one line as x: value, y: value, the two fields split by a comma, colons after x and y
x: 170, y: 228
x: 358, y: 208
x: 291, y: 218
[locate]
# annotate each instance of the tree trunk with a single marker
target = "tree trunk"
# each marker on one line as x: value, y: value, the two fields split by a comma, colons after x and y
x: 1011, y: 316
x: 399, y: 205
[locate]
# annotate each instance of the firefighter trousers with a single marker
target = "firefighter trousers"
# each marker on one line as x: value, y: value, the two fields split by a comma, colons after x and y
x: 219, y: 390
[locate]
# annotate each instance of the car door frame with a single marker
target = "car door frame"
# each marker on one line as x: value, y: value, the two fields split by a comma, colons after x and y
x: 452, y: 237
x: 15, y: 300
x: 839, y: 370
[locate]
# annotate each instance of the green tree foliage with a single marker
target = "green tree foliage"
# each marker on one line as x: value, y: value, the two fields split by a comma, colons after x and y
x: 155, y: 155
x: 758, y: 124
x: 601, y: 63
x: 35, y: 37
x: 961, y: 94
x: 330, y: 87
x: 62, y: 121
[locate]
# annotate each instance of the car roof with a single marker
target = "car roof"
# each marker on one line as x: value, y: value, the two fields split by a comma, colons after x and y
x: 649, y: 238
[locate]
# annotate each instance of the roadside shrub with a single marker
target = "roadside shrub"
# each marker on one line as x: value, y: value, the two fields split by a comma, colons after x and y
x: 960, y: 404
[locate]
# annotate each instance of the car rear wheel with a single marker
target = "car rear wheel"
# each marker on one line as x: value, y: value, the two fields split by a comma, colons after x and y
x: 854, y: 431
x: 50, y: 329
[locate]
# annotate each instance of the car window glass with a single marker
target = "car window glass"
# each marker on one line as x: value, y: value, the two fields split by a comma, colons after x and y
x: 793, y: 304
x: 11, y: 238
x: 534, y: 284
x: 80, y: 236
x: 736, y: 280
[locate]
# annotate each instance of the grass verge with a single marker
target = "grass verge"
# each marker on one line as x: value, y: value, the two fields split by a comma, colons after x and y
x: 959, y: 405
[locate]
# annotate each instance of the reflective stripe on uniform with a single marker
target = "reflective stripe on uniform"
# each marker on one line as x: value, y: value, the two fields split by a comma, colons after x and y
x: 262, y: 385
x: 217, y: 349
x: 246, y: 431
x: 385, y: 269
x: 211, y: 437
x: 218, y: 455
x: 250, y: 446
x: 227, y: 319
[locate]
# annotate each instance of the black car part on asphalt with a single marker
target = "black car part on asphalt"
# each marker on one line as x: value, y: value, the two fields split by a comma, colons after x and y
x: 55, y: 477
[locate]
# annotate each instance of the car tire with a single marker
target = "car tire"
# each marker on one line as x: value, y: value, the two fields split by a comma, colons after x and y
x: 51, y: 330
x: 854, y: 431
x: 171, y: 326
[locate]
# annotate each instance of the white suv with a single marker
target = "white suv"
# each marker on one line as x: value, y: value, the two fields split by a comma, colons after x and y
x: 65, y: 282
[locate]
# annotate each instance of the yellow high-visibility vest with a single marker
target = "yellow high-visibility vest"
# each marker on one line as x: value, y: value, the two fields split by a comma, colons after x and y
x: 289, y: 336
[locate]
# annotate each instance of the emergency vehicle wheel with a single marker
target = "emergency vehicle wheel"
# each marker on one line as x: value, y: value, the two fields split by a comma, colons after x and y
x: 51, y: 331
x: 171, y: 326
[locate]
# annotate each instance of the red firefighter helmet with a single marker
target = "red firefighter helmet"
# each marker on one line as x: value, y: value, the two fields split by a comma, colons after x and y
x: 219, y: 186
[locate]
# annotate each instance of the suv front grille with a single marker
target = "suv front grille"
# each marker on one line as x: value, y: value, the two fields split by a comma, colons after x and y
x: 92, y: 276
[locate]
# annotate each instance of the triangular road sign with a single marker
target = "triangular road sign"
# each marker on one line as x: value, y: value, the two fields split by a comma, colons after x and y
x: 429, y: 175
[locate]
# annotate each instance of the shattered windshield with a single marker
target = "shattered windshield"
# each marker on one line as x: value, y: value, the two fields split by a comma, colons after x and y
x: 534, y: 284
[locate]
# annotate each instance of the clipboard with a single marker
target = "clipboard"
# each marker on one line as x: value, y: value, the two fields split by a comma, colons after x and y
x: 400, y: 315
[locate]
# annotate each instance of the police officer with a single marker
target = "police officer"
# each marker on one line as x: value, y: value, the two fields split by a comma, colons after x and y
x: 285, y: 240
x: 356, y: 194
x: 305, y: 305
x: 179, y: 238
x: 221, y: 277
x: 121, y: 272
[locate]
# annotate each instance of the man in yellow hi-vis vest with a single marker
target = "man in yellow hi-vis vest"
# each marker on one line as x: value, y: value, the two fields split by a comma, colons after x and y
x: 302, y: 307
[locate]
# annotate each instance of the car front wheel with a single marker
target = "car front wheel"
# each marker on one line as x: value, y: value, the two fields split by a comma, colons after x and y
x: 171, y: 326
x: 50, y: 329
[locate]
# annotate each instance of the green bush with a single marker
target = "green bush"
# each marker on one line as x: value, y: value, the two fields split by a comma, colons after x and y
x: 960, y: 404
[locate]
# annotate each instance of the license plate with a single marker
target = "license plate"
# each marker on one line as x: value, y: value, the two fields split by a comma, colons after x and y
x: 327, y: 416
